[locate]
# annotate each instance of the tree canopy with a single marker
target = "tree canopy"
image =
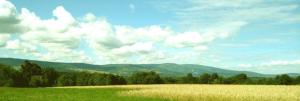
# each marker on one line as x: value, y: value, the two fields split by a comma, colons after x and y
x: 32, y: 75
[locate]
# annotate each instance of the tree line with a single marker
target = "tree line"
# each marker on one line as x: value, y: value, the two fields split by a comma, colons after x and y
x: 33, y: 75
x: 214, y: 78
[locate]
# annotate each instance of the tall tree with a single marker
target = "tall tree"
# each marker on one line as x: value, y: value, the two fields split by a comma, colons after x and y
x: 189, y: 78
x: 67, y: 79
x: 146, y: 78
x: 99, y: 79
x: 50, y: 76
x: 297, y: 80
x: 29, y: 69
x: 205, y: 78
x: 240, y: 79
x: 36, y: 81
x: 284, y: 79
x: 6, y: 75
x: 216, y: 79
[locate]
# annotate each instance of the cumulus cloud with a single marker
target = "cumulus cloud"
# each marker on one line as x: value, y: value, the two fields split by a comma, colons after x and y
x: 118, y: 43
x: 21, y: 47
x: 154, y: 33
x: 63, y: 16
x: 9, y: 21
x: 58, y: 35
x: 66, y: 55
x: 62, y: 36
x: 273, y: 67
x: 199, y: 39
x: 228, y: 16
x: 136, y: 48
x: 3, y: 39
x: 187, y: 39
x: 282, y: 62
x: 273, y: 63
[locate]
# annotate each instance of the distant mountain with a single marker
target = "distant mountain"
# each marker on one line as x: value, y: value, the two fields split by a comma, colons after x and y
x: 166, y: 69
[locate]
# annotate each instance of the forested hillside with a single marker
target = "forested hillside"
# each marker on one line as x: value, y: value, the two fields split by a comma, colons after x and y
x: 31, y: 74
x: 166, y: 69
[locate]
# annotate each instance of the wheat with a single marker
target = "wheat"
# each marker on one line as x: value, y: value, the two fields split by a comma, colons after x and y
x: 216, y: 92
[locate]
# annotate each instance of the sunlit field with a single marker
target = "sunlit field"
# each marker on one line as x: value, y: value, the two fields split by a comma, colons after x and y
x: 219, y: 92
x: 69, y: 94
x: 155, y: 93
x: 211, y: 92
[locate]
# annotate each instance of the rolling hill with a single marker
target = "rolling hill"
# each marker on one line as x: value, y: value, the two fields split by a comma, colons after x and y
x: 166, y: 69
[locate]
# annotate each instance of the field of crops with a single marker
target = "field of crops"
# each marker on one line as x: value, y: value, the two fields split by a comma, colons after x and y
x: 219, y: 92
x: 156, y: 93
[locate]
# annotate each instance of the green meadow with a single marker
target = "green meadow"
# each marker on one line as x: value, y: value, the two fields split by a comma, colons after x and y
x: 68, y: 94
x: 161, y: 92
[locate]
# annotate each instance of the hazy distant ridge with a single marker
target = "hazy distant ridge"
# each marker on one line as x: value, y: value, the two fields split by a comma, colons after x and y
x: 166, y: 69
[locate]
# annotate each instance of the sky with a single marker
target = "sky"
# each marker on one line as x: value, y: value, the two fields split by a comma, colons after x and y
x: 248, y: 35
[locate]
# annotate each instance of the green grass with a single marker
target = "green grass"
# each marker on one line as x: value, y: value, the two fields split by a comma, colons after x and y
x: 68, y: 94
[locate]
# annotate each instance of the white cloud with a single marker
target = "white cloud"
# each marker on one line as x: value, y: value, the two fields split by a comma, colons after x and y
x: 98, y: 33
x: 63, y: 16
x: 272, y: 63
x: 201, y: 48
x: 7, y: 9
x: 66, y: 55
x: 120, y: 43
x: 282, y: 62
x: 3, y: 39
x: 137, y: 48
x: 59, y: 36
x: 273, y: 67
x: 245, y: 65
x: 21, y: 47
x: 228, y: 15
x: 9, y: 21
x: 129, y: 35
x: 58, y: 30
x: 187, y: 39
x: 89, y: 17
x: 62, y: 35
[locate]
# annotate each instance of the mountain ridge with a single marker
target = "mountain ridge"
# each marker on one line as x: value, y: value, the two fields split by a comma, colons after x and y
x: 165, y: 69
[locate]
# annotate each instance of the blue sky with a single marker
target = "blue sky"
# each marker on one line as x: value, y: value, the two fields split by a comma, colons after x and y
x: 257, y: 35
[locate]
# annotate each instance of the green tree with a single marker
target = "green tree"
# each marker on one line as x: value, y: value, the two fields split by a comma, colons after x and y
x: 67, y: 79
x: 120, y: 80
x: 240, y: 79
x: 6, y: 75
x: 265, y: 81
x: 36, y: 81
x: 189, y: 78
x: 82, y: 78
x: 205, y: 78
x: 283, y: 79
x: 146, y: 78
x: 29, y: 69
x: 297, y: 80
x: 19, y: 80
x: 99, y: 79
x: 216, y: 79
x: 170, y: 80
x: 50, y: 76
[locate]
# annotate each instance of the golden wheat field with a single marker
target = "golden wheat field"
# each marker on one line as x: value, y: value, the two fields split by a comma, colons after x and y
x: 212, y: 92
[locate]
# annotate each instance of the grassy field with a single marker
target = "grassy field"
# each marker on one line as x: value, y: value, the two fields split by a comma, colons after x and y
x: 155, y: 93
x: 68, y: 94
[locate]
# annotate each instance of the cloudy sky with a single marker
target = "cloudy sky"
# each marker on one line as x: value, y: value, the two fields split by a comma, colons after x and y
x: 254, y: 35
